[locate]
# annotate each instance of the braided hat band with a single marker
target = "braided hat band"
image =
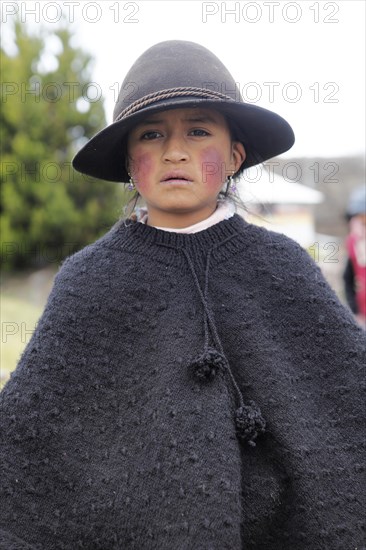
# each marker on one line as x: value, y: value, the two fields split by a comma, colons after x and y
x: 168, y: 94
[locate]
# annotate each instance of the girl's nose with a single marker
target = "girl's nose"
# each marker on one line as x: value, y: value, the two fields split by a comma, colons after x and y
x: 175, y: 150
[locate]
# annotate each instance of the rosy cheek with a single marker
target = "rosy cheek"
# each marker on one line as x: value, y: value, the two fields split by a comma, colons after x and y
x: 142, y: 169
x: 213, y: 167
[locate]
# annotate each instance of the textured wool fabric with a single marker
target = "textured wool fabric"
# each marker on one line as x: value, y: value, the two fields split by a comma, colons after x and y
x: 109, y: 440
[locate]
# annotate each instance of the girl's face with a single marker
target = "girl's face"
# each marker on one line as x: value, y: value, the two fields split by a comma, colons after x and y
x: 179, y: 160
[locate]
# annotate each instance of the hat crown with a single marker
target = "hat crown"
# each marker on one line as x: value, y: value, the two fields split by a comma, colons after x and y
x: 175, y: 64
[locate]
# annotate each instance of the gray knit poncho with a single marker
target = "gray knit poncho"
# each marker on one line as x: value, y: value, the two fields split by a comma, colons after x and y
x: 186, y: 392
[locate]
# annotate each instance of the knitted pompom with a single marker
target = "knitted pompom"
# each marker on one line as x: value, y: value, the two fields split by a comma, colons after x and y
x: 249, y: 422
x: 207, y: 366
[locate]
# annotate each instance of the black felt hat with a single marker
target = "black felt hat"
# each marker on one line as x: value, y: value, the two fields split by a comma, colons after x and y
x: 175, y: 74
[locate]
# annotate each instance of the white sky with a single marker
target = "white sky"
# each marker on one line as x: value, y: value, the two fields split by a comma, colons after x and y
x: 319, y: 57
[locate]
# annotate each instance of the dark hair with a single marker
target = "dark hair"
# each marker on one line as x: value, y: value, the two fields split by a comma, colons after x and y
x: 238, y: 135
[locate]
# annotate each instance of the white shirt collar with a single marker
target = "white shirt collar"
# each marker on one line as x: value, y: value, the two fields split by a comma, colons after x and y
x: 225, y: 210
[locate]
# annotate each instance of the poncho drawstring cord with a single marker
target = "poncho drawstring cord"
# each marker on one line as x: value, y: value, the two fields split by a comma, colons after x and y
x: 248, y: 418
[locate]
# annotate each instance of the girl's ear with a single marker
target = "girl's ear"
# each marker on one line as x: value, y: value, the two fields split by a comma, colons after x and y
x: 239, y: 154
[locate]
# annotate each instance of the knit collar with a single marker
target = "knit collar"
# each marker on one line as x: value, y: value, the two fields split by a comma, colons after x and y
x: 164, y: 247
x: 157, y: 244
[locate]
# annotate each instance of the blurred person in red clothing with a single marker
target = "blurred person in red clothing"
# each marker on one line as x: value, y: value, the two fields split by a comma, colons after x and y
x: 354, y: 275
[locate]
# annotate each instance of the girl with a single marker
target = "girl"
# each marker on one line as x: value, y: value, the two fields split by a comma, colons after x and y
x: 193, y: 383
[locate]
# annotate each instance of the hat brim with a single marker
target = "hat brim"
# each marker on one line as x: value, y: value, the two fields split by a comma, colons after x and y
x: 263, y: 133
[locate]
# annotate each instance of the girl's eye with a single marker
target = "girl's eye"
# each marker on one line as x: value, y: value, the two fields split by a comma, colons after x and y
x: 199, y: 132
x: 150, y: 135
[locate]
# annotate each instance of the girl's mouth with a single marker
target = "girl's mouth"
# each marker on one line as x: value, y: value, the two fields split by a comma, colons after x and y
x: 176, y: 177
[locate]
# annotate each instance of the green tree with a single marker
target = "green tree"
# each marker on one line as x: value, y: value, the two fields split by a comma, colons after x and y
x: 47, y: 112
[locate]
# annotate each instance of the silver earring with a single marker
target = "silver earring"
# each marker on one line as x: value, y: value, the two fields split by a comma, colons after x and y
x: 232, y: 184
x: 131, y: 184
